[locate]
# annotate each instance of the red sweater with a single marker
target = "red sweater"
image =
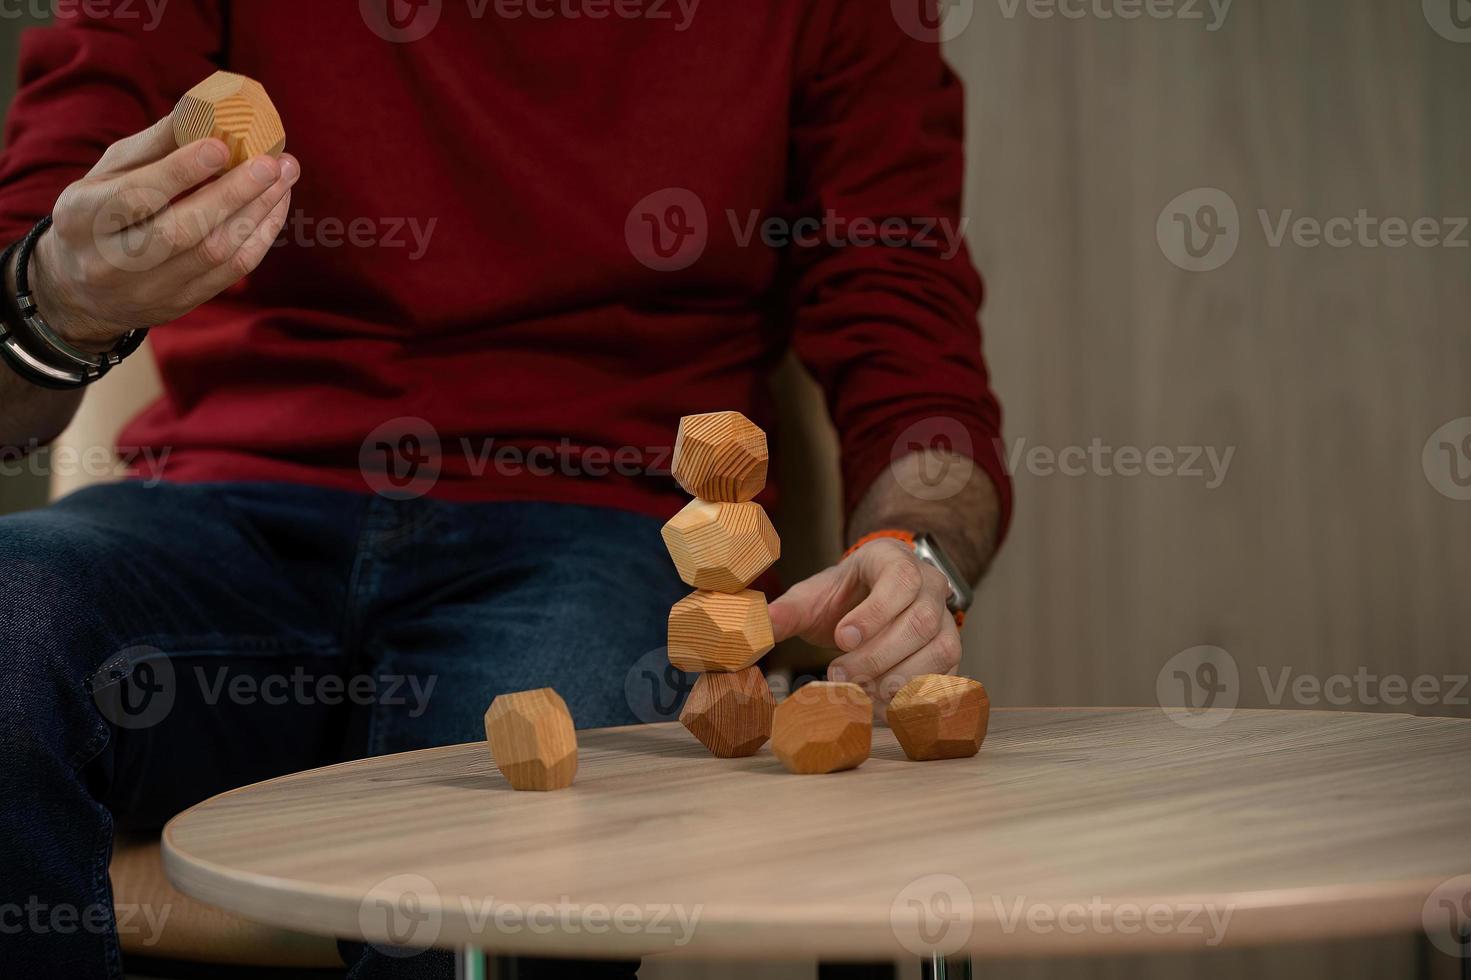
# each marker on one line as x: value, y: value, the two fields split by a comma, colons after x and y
x: 471, y: 239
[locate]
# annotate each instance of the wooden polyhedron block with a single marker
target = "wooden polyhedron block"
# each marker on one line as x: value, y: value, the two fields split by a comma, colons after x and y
x: 730, y: 713
x: 721, y: 546
x: 532, y: 739
x: 720, y: 456
x: 936, y: 716
x: 235, y: 110
x: 823, y: 727
x: 719, y: 631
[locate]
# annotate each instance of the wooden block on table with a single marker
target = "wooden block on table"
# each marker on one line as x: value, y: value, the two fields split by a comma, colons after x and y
x: 532, y: 739
x: 720, y: 456
x: 730, y: 713
x: 823, y: 727
x: 936, y: 716
x: 719, y: 631
x: 721, y: 546
x: 234, y: 109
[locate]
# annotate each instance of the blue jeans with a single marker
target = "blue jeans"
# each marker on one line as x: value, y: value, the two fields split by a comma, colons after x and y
x: 160, y: 645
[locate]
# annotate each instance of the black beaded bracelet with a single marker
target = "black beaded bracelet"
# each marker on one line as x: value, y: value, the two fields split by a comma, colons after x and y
x: 36, y: 352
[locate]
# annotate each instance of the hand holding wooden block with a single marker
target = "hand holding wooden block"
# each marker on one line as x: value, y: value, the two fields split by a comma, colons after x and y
x: 936, y: 716
x: 234, y: 109
x: 823, y: 727
x: 721, y: 547
x: 532, y: 739
x: 720, y: 456
x: 718, y: 631
x: 730, y: 713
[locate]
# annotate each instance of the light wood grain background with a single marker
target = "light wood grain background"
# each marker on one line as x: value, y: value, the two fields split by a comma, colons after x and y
x: 1326, y: 550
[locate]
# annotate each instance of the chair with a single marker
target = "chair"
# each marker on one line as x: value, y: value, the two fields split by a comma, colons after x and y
x: 192, y: 933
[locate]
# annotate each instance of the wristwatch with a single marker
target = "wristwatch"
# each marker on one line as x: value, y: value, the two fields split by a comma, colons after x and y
x: 928, y: 550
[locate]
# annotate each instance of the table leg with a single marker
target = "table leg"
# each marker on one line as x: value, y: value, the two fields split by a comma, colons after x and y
x: 857, y: 971
x: 471, y: 963
x: 937, y: 967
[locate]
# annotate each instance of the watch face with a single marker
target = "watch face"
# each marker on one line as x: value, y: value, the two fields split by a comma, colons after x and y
x: 960, y: 592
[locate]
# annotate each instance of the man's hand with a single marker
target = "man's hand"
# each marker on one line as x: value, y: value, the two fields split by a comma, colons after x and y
x: 884, y: 608
x: 147, y: 235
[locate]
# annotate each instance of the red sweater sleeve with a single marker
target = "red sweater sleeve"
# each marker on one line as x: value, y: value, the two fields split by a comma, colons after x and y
x: 102, y: 71
x: 890, y: 330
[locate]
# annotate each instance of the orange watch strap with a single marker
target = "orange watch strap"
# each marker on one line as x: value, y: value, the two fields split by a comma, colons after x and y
x: 905, y: 536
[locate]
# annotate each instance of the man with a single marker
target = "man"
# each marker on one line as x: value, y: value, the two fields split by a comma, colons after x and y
x: 608, y: 237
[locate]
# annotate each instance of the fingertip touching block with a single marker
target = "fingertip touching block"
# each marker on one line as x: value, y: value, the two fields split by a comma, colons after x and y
x: 532, y: 739
x: 936, y: 716
x: 719, y: 631
x: 235, y: 110
x: 823, y: 727
x: 730, y: 713
x: 720, y: 456
x: 722, y: 547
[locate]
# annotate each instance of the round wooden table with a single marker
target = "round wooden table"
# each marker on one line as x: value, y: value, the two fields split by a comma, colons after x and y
x: 1073, y: 830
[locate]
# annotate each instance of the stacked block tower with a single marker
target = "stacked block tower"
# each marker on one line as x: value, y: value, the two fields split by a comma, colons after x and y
x: 721, y: 542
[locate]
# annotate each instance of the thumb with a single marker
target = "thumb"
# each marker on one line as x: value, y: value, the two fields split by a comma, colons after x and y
x: 807, y: 609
